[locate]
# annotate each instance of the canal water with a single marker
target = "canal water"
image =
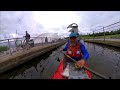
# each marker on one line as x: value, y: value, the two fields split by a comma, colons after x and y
x: 103, y: 59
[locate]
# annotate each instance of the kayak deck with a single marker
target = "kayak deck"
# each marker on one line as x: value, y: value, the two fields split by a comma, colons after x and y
x: 57, y: 74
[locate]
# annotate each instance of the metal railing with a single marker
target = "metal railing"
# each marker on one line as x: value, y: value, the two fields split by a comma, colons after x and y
x: 14, y: 45
x: 104, y: 30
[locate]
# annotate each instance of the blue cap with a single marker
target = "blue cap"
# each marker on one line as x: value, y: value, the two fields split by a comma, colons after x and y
x: 73, y: 35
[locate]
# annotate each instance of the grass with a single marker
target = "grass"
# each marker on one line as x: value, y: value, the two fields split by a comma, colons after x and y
x: 117, y: 36
x: 3, y: 48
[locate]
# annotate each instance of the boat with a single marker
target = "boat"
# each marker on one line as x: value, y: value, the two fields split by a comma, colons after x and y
x: 59, y: 71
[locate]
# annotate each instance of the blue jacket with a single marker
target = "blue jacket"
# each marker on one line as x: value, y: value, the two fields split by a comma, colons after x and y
x: 83, y: 50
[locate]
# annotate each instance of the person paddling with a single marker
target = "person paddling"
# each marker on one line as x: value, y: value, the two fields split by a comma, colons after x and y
x: 75, y: 50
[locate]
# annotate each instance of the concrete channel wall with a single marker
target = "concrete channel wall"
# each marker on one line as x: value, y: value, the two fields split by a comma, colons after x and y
x: 107, y: 42
x: 22, y: 57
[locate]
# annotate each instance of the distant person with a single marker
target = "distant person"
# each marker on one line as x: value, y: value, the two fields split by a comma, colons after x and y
x: 27, y: 37
x: 46, y: 39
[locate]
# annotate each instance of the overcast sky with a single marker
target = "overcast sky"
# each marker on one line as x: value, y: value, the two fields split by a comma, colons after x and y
x: 38, y: 22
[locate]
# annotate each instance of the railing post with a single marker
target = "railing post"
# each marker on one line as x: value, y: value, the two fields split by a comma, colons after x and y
x: 104, y: 34
x: 93, y: 36
x: 9, y: 46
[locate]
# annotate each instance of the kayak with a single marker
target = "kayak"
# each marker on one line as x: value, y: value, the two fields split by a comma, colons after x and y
x: 59, y: 70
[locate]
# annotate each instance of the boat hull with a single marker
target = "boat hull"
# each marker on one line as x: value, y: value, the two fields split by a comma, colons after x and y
x: 59, y: 70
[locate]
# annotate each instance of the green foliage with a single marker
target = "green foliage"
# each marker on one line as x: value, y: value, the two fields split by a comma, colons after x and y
x: 3, y: 48
x: 106, y: 33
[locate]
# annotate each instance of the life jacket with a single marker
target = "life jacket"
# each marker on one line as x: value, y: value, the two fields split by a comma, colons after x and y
x: 74, y: 51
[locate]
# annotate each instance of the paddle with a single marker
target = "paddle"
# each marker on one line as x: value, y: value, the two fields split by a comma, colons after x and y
x: 95, y: 73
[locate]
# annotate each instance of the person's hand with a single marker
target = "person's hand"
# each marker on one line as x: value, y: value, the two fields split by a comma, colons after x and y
x: 80, y: 63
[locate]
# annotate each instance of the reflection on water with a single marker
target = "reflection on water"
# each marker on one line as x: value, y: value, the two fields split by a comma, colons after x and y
x: 41, y: 67
x: 103, y: 59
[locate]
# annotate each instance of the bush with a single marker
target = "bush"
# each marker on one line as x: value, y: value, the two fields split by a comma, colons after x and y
x: 3, y: 48
x: 106, y: 33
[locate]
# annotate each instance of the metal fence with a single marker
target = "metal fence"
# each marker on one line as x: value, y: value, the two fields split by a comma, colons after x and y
x: 12, y: 46
x: 101, y: 32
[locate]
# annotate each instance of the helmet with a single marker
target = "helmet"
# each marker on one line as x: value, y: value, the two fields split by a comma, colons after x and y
x: 73, y: 35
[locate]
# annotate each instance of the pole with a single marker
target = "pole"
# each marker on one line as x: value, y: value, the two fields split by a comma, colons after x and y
x: 16, y: 32
x: 104, y: 34
x: 9, y: 46
x: 93, y: 35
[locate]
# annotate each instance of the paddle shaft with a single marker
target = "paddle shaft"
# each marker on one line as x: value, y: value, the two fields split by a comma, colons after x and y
x: 95, y: 73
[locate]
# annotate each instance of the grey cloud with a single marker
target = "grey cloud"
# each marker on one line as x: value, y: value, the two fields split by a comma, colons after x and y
x: 96, y: 18
x: 10, y: 21
x: 64, y: 27
x: 55, y: 29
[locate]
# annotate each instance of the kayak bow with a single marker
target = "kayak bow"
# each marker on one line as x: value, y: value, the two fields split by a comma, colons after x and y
x: 59, y: 71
